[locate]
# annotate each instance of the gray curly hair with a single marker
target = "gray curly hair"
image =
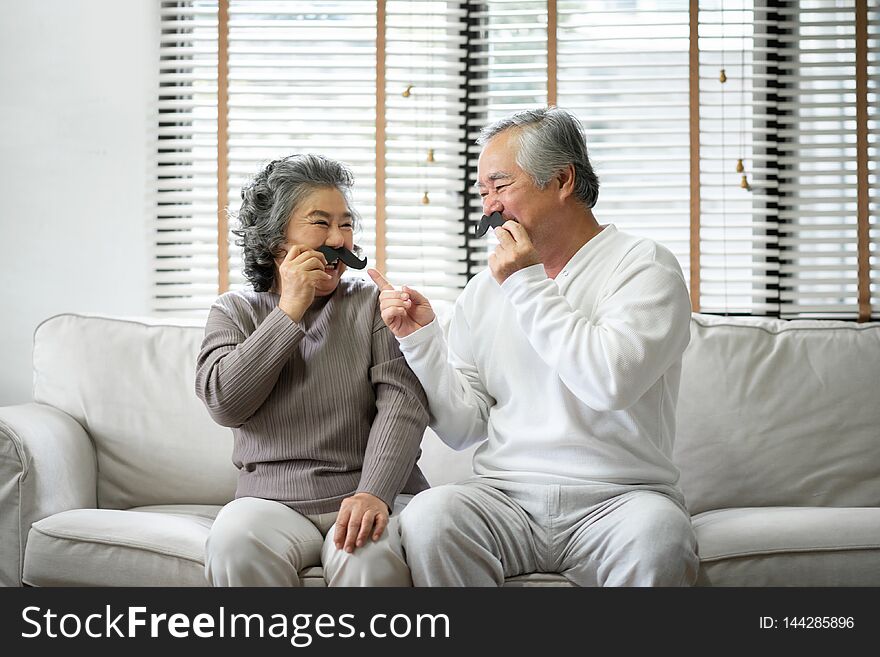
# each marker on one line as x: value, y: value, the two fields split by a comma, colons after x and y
x: 267, y: 201
x: 549, y: 140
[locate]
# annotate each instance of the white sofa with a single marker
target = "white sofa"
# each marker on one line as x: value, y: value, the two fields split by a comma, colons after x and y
x: 114, y: 474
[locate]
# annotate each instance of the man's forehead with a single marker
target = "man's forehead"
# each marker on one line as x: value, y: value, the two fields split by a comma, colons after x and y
x: 497, y: 161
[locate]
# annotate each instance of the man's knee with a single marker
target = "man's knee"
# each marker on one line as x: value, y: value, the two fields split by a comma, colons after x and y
x: 431, y: 515
x: 667, y: 547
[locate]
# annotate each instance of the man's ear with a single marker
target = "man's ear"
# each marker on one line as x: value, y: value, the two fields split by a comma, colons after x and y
x: 565, y: 179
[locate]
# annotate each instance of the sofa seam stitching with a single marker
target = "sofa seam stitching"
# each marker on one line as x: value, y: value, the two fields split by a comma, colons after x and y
x: 786, y: 329
x: 752, y: 553
x: 107, y: 318
x: 17, y: 442
x: 65, y: 537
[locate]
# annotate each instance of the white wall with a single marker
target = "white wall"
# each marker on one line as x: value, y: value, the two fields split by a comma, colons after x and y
x: 78, y: 85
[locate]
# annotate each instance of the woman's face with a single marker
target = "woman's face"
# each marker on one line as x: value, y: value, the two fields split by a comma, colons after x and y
x: 322, y: 218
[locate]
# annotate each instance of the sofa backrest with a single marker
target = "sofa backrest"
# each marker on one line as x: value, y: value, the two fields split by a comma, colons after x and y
x: 130, y: 383
x: 779, y: 413
x: 770, y: 413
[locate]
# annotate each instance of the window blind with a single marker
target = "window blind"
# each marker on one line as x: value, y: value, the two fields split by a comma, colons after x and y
x: 425, y: 152
x: 507, y: 72
x: 302, y: 76
x: 185, y: 227
x: 302, y: 79
x: 623, y: 70
x: 806, y: 52
x: 738, y: 237
x: 873, y: 48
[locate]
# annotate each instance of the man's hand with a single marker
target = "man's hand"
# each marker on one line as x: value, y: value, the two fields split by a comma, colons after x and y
x: 359, y: 515
x: 403, y: 311
x: 298, y: 274
x: 515, y: 251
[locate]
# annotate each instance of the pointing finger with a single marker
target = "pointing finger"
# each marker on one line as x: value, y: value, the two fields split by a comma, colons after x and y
x: 380, y: 280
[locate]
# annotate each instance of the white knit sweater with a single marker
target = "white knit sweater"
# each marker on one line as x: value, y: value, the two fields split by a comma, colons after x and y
x: 568, y: 381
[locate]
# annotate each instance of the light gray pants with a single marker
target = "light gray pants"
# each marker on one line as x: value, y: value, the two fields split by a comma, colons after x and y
x: 257, y: 542
x: 480, y: 531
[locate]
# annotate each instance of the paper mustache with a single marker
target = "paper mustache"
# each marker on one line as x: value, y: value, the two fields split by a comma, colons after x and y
x: 343, y: 254
x: 494, y: 220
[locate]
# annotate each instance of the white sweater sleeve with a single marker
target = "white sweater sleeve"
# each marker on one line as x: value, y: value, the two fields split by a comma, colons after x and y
x: 457, y: 398
x: 640, y: 328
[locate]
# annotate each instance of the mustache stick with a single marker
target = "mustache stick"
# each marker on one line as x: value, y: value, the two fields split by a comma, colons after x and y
x: 343, y: 254
x: 494, y: 220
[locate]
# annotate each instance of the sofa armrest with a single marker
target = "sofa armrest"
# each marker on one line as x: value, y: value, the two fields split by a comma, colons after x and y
x: 47, y: 465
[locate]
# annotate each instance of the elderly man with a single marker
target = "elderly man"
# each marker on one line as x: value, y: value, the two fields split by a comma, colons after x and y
x: 563, y: 360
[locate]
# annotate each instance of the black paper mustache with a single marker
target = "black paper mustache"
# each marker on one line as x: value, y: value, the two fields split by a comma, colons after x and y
x: 494, y: 220
x: 343, y: 254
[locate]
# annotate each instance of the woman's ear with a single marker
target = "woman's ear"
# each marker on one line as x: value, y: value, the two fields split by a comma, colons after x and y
x: 278, y: 254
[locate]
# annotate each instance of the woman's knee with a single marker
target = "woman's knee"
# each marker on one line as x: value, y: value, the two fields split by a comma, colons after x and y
x: 253, y: 543
x: 376, y: 563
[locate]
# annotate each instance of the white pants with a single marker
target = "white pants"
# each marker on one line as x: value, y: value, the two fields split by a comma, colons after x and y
x: 478, y: 532
x: 257, y: 542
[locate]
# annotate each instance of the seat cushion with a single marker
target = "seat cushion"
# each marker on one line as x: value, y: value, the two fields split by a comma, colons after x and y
x: 315, y: 577
x: 143, y: 546
x: 538, y: 579
x: 787, y: 546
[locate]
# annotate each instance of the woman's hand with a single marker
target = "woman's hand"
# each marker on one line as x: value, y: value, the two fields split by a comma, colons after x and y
x: 359, y: 515
x: 403, y: 311
x: 298, y: 274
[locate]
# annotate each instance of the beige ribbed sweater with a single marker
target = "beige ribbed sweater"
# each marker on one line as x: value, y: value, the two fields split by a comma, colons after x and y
x: 320, y: 409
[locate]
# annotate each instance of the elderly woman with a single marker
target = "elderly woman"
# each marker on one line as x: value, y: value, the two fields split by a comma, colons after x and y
x: 327, y: 416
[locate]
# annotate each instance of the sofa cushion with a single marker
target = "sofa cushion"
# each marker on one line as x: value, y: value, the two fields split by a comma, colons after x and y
x: 314, y: 577
x: 130, y: 384
x: 787, y: 546
x: 538, y: 579
x: 146, y: 546
x: 776, y: 413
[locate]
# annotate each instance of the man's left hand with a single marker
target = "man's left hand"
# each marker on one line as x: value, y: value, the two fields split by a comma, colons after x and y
x: 515, y: 251
x: 360, y: 515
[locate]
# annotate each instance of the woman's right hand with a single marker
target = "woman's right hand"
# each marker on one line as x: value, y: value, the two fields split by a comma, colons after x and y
x: 403, y: 311
x: 298, y: 274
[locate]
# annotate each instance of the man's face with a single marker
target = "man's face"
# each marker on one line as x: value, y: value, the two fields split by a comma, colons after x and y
x: 323, y: 218
x: 507, y: 189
